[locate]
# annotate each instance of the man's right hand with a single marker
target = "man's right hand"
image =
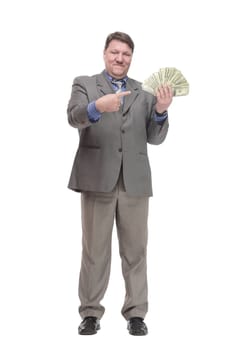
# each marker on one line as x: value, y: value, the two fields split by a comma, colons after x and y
x: 110, y: 102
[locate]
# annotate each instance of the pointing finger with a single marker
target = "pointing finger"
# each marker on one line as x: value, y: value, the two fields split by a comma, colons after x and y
x: 124, y: 93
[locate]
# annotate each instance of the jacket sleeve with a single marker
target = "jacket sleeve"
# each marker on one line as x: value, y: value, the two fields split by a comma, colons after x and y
x: 157, y: 132
x: 77, y: 106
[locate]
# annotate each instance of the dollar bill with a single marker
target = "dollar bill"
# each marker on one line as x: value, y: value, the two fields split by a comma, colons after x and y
x: 167, y: 76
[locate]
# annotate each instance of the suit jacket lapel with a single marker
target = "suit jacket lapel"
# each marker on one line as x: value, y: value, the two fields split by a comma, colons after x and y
x: 103, y: 85
x: 129, y: 99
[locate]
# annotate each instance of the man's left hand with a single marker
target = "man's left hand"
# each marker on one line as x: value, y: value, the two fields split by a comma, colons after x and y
x: 164, y: 98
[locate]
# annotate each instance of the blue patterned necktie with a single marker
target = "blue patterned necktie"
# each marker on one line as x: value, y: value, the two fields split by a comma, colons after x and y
x: 119, y: 84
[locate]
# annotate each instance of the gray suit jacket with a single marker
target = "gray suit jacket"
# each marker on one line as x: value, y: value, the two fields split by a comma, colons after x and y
x: 117, y: 139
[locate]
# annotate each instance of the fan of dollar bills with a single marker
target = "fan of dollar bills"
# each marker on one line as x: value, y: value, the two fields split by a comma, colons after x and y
x: 168, y: 76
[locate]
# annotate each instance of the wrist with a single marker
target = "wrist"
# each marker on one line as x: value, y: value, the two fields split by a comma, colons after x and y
x: 99, y: 105
x: 160, y: 113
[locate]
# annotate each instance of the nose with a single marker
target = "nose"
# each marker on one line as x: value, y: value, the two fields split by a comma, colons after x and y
x: 119, y: 57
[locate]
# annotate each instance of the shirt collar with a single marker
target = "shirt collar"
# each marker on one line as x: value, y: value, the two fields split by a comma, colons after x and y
x: 111, y: 78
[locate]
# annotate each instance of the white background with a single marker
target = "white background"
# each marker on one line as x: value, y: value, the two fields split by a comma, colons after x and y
x: 44, y: 45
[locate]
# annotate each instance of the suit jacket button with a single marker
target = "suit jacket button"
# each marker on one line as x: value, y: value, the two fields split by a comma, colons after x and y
x: 120, y: 149
x: 123, y: 131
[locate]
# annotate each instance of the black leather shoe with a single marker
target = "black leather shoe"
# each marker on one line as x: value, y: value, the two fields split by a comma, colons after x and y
x: 90, y: 325
x: 136, y: 326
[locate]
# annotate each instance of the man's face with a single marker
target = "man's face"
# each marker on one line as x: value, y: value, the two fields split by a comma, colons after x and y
x: 117, y: 58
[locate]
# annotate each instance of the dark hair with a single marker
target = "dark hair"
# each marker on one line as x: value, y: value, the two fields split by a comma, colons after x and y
x: 125, y: 38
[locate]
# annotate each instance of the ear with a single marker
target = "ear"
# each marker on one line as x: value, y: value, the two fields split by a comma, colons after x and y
x: 104, y: 55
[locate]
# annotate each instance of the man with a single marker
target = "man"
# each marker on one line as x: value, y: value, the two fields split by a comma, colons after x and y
x: 115, y: 119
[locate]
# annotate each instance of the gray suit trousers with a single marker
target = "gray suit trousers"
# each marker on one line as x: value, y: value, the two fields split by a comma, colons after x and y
x: 99, y: 210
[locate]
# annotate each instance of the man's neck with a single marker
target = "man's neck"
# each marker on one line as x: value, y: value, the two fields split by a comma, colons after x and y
x: 110, y: 77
